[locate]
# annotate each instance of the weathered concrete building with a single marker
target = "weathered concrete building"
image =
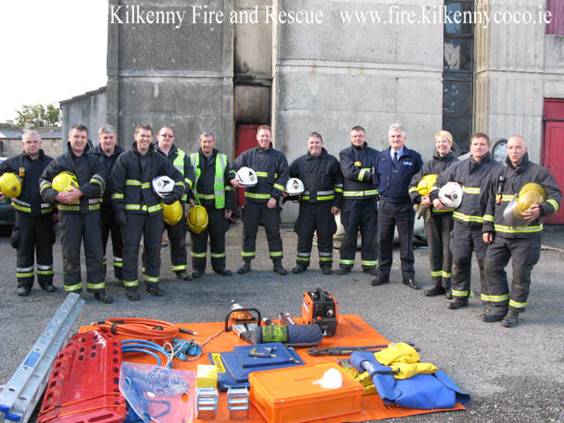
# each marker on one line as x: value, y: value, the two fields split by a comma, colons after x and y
x: 370, y: 62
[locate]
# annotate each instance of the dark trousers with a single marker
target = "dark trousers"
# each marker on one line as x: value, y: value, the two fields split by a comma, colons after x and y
x: 402, y: 216
x: 255, y: 214
x: 77, y: 228
x: 217, y: 227
x: 150, y: 227
x: 438, y: 227
x: 315, y: 218
x: 359, y: 215
x: 464, y: 240
x: 111, y: 227
x: 177, y: 245
x: 524, y: 254
x: 33, y: 237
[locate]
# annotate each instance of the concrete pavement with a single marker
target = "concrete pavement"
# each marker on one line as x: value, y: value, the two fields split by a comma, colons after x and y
x: 513, y: 375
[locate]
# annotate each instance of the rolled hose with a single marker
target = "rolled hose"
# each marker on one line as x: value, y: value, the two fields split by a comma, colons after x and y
x: 138, y: 328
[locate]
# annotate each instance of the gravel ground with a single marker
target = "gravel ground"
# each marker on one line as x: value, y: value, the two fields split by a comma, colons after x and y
x: 513, y: 375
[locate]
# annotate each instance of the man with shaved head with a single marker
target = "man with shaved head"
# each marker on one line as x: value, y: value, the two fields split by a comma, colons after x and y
x: 33, y: 233
x: 514, y: 238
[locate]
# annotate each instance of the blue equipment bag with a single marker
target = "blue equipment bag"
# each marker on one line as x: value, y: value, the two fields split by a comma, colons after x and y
x: 421, y: 391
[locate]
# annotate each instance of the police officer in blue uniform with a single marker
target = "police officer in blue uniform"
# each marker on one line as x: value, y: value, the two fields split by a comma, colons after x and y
x: 394, y: 168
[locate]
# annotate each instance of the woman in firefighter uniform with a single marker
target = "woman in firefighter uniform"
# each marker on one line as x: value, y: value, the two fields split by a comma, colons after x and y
x: 33, y: 233
x: 139, y: 209
x: 213, y: 191
x: 438, y: 223
x: 321, y: 175
x: 521, y: 194
x: 473, y: 174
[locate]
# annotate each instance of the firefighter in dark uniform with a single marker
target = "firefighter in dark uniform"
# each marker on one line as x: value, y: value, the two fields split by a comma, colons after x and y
x: 438, y: 223
x: 79, y: 213
x: 262, y: 201
x: 212, y: 190
x: 519, y: 242
x: 360, y: 204
x: 473, y: 174
x: 321, y: 174
x: 107, y: 152
x: 394, y: 169
x: 139, y: 210
x: 177, y: 233
x: 33, y: 233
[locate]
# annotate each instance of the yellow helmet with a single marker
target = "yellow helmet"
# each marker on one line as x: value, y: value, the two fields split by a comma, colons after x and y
x: 529, y: 194
x: 426, y: 183
x: 197, y: 219
x: 10, y: 185
x: 172, y: 213
x: 65, y: 181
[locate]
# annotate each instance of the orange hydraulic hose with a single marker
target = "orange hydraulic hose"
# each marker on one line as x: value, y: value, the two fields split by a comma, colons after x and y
x: 138, y: 328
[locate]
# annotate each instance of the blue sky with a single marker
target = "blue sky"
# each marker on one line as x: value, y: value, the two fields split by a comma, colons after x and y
x: 51, y: 50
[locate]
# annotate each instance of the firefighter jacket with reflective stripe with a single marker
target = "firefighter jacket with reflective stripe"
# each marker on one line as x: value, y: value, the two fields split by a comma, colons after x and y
x: 474, y: 177
x: 89, y: 172
x: 29, y: 201
x: 502, y: 191
x: 271, y: 168
x: 181, y: 162
x: 133, y: 173
x: 392, y: 179
x: 211, y: 183
x: 108, y: 162
x: 321, y: 176
x: 437, y: 165
x: 356, y: 166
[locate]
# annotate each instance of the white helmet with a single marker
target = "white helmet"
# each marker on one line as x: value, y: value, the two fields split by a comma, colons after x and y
x: 294, y: 186
x: 246, y: 177
x: 451, y: 195
x: 163, y: 186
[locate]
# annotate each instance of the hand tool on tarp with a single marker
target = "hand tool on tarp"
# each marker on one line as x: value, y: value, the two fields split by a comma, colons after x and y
x: 340, y: 350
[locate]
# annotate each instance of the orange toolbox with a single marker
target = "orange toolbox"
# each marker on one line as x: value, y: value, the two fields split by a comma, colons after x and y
x: 293, y: 395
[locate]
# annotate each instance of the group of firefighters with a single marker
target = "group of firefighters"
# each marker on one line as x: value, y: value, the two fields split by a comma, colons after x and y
x: 491, y: 210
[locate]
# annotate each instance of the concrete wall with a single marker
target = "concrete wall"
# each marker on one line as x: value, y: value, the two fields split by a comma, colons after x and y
x: 517, y: 67
x: 331, y: 76
x: 12, y: 147
x: 88, y: 109
x: 181, y: 78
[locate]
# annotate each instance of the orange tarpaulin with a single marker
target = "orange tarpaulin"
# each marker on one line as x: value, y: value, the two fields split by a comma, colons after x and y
x: 352, y: 330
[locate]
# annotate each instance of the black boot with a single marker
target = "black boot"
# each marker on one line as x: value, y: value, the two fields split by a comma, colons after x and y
x: 343, y: 270
x: 155, y: 290
x: 458, y: 302
x: 197, y: 273
x: 132, y: 294
x: 23, y: 291
x: 278, y: 268
x: 511, y: 319
x: 103, y: 297
x: 299, y: 268
x: 183, y: 275
x: 48, y: 288
x: 437, y: 289
x: 326, y: 270
x: 493, y: 314
x: 223, y: 272
x: 245, y: 268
